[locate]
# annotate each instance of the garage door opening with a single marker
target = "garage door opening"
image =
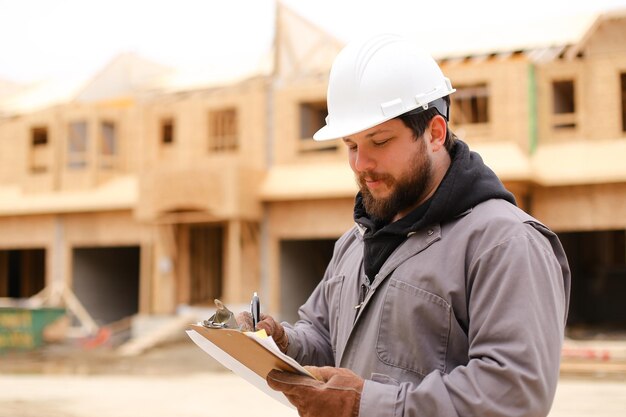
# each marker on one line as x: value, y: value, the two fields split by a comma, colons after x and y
x: 598, y: 264
x: 106, y: 281
x: 302, y: 267
x: 22, y: 272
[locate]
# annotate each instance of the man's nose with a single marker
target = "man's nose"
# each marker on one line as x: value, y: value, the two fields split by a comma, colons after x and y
x: 363, y: 161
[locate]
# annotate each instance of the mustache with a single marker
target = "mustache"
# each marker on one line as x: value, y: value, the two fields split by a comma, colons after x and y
x: 373, y: 176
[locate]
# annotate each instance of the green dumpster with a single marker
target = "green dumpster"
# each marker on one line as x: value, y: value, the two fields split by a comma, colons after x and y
x: 22, y: 328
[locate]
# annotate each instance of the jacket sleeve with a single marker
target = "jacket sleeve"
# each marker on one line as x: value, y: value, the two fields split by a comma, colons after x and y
x: 518, y: 295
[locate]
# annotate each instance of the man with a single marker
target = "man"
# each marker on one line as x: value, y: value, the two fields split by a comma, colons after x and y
x: 445, y: 299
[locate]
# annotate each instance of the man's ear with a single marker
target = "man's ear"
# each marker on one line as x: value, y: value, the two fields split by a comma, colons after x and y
x: 438, y: 129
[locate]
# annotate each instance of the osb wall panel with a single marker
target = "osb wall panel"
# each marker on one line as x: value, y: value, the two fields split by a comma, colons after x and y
x: 310, y: 219
x: 286, y: 124
x: 250, y: 101
x: 10, y: 148
x: 58, y: 175
x: 184, y: 190
x: 602, y: 101
x: 42, y: 181
x: 190, y: 116
x: 546, y: 75
x: 27, y: 232
x: 581, y: 208
x: 507, y: 80
x: 186, y: 174
x: 608, y: 39
x: 597, y: 94
x: 223, y: 189
x: 127, y: 161
x: 116, y: 228
x: 128, y: 135
x: 521, y: 193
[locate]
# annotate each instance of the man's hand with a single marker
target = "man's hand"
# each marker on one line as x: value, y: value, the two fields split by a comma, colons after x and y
x: 267, y: 323
x: 335, y: 391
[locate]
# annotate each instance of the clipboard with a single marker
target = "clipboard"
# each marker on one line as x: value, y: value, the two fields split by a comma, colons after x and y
x: 246, y: 355
x: 250, y: 351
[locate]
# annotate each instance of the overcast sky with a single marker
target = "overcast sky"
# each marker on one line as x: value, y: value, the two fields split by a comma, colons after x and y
x: 42, y: 39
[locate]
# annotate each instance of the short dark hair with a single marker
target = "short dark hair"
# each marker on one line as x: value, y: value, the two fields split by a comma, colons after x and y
x: 418, y: 122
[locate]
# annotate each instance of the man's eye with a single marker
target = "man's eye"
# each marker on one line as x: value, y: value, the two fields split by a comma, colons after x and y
x: 381, y: 142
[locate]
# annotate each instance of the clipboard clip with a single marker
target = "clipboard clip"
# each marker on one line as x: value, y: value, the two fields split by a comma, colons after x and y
x: 222, y: 319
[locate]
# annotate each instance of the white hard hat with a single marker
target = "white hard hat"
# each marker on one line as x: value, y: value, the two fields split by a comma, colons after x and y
x: 377, y: 79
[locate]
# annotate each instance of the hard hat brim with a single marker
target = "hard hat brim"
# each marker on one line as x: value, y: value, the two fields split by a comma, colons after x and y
x: 330, y: 132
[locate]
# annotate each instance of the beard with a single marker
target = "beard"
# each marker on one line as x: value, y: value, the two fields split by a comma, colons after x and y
x: 406, y: 191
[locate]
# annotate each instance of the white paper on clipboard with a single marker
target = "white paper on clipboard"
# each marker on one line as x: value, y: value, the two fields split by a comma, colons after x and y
x: 252, y: 360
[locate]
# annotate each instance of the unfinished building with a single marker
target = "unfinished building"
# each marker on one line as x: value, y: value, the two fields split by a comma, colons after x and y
x: 139, y: 199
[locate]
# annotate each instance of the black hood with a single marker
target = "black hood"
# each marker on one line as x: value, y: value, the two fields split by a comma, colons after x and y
x: 467, y: 183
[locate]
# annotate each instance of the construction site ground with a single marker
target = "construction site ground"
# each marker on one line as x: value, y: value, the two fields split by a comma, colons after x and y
x: 177, y: 378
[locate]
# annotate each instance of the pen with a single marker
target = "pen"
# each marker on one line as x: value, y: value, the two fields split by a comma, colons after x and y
x: 255, y: 306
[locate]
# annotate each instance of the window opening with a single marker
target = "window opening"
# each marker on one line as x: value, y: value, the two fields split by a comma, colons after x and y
x: 223, y: 130
x: 77, y: 145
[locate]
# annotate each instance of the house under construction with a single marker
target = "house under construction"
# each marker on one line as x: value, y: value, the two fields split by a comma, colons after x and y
x: 137, y: 196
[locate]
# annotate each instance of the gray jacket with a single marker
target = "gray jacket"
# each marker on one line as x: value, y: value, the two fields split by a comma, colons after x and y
x: 464, y: 319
